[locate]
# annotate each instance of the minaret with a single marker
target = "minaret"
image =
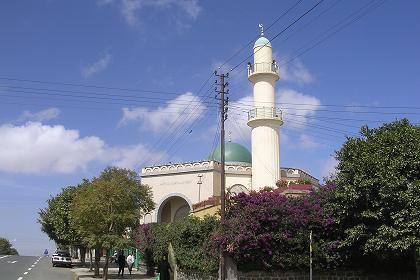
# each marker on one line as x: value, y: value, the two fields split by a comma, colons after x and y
x: 264, y: 119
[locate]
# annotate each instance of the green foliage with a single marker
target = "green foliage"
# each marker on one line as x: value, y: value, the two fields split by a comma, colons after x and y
x: 55, y: 219
x: 189, y: 237
x: 6, y: 247
x: 105, y: 208
x: 377, y: 201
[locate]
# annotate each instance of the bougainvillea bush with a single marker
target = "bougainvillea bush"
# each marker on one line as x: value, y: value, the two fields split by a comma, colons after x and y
x: 145, y: 240
x: 269, y: 231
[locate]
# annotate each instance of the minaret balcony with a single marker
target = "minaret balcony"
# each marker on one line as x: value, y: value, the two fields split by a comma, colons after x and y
x: 263, y: 68
x: 264, y: 114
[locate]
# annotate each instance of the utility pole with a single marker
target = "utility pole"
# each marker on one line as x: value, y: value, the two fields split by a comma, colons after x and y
x: 223, y: 116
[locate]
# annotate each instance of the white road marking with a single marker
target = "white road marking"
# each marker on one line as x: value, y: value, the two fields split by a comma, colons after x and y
x: 20, y: 278
x: 25, y: 272
x: 30, y: 268
x: 33, y: 265
x: 12, y: 261
x: 3, y: 257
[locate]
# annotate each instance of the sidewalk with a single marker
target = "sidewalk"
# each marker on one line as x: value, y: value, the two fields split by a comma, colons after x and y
x: 83, y: 273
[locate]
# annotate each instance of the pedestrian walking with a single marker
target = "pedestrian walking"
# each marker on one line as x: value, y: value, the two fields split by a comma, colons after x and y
x: 130, y: 262
x: 164, y: 268
x: 121, y: 264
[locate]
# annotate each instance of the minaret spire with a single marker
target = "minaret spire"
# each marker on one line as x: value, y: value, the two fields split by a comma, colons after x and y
x: 261, y: 26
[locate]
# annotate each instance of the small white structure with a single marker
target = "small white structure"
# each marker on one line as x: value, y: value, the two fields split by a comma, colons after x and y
x: 177, y: 187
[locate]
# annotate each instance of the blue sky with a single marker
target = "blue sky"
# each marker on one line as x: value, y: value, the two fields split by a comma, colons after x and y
x: 87, y: 84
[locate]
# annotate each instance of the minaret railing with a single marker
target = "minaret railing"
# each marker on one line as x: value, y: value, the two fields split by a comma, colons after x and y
x: 265, y: 113
x: 263, y: 67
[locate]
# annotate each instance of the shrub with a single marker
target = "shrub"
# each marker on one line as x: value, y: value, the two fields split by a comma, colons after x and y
x: 270, y: 231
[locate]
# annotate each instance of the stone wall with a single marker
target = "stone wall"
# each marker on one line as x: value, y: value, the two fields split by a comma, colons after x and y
x: 192, y: 275
x: 331, y: 275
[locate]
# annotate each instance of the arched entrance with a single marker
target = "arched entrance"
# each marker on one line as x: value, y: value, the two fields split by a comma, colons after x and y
x: 173, y: 208
x: 236, y: 189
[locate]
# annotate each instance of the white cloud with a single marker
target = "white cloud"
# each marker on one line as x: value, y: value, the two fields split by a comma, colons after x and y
x: 294, y: 71
x: 132, y: 156
x: 180, y: 111
x: 131, y: 8
x: 40, y: 116
x: 328, y: 167
x: 237, y: 120
x: 98, y: 66
x: 307, y: 142
x: 297, y: 107
x: 37, y: 148
x: 34, y: 148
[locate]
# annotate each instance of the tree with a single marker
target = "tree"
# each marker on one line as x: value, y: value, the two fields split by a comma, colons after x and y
x: 377, y: 199
x: 56, y: 221
x: 6, y: 247
x: 269, y: 231
x: 106, y: 209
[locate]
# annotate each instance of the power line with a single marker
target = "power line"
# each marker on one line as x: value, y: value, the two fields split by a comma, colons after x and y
x: 256, y: 37
x: 95, y: 99
x: 247, y: 103
x: 356, y: 18
x: 172, y: 129
x: 278, y: 34
x: 86, y: 85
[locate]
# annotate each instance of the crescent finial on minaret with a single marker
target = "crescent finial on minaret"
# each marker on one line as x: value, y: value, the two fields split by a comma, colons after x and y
x: 261, y: 26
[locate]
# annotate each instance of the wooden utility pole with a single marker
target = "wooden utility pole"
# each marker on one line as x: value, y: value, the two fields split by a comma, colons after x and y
x: 223, y: 116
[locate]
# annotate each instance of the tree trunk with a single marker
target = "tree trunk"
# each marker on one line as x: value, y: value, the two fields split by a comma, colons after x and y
x: 417, y: 261
x: 83, y: 256
x: 97, y: 260
x: 105, y: 270
x: 91, y: 262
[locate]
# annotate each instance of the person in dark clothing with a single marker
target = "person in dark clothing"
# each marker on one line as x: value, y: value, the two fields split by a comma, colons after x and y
x: 121, y: 264
x: 164, y: 268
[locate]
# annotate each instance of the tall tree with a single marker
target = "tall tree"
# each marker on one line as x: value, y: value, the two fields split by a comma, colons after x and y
x: 105, y: 210
x: 6, y: 247
x: 56, y: 221
x: 377, y: 199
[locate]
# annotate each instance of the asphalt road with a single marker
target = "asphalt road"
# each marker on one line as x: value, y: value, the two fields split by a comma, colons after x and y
x: 32, y: 268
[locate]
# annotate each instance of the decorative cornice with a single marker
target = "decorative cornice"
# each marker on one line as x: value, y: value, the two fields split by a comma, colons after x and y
x: 194, y: 167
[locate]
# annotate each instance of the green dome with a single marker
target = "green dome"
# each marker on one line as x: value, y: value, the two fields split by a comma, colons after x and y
x: 262, y: 41
x: 233, y: 153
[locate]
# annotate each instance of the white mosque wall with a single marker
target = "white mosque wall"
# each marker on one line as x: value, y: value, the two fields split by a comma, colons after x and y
x: 173, y: 181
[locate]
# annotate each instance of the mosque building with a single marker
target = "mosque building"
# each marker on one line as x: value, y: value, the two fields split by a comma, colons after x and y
x: 179, y: 188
